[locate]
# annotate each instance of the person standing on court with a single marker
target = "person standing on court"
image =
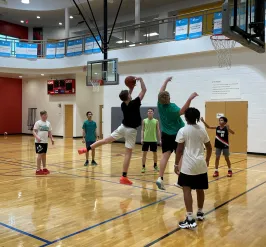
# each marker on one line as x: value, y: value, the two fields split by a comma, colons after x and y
x: 221, y: 144
x: 89, y: 137
x: 42, y: 130
x: 150, y: 127
x: 193, y: 175
x: 171, y: 122
x: 128, y: 128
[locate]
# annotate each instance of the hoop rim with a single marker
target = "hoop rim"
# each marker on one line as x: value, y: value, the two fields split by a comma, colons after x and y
x: 100, y: 81
x: 215, y: 37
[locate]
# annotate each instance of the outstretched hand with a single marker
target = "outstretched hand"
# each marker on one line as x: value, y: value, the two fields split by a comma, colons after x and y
x: 202, y: 119
x: 193, y: 96
x: 169, y: 78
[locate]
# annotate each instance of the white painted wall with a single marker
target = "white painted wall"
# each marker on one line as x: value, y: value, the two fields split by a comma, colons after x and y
x: 195, y: 73
x: 34, y: 95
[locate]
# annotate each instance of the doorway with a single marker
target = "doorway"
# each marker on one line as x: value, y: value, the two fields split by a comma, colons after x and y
x: 101, y: 121
x: 237, y: 114
x: 68, y: 121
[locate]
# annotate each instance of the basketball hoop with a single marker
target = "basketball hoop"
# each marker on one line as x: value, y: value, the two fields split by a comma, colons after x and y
x: 96, y: 85
x: 223, y: 47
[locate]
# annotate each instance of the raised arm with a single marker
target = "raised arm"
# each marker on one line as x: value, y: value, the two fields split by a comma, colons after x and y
x: 159, y: 132
x: 229, y: 130
x: 187, y: 104
x: 163, y: 88
x: 143, y: 88
x: 142, y: 131
x: 206, y: 125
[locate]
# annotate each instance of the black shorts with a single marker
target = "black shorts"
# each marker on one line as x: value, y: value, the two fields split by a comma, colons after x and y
x: 88, y: 144
x: 149, y: 145
x: 195, y: 182
x: 41, y: 148
x: 168, y: 143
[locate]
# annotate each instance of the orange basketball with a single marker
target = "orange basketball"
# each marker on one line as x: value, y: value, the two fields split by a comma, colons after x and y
x: 130, y: 82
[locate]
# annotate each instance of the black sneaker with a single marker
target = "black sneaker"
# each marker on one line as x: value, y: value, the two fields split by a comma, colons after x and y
x: 86, y: 163
x: 200, y: 216
x: 186, y: 224
x: 93, y: 163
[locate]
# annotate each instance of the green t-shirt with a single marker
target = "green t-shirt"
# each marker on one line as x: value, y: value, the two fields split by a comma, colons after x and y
x: 150, y: 127
x: 90, y: 130
x: 171, y: 122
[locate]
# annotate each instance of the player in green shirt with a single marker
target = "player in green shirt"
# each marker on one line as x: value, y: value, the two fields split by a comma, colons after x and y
x: 150, y: 127
x: 171, y: 122
x: 89, y: 136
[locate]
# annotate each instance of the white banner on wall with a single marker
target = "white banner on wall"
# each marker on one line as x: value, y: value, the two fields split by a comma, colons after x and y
x: 225, y: 89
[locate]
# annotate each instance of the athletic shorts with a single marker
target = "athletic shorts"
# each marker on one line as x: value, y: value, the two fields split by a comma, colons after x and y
x: 225, y: 152
x: 41, y: 148
x: 88, y: 144
x: 130, y: 135
x: 152, y: 146
x: 168, y: 143
x: 195, y: 182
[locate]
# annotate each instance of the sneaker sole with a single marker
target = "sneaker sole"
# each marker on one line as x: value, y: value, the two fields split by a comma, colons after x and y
x: 189, y: 226
x: 200, y: 218
x: 159, y: 185
x: 126, y: 183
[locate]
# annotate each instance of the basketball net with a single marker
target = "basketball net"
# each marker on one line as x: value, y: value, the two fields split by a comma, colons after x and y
x: 223, y: 47
x: 96, y: 85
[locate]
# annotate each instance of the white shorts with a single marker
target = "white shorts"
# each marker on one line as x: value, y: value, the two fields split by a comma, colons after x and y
x: 130, y: 135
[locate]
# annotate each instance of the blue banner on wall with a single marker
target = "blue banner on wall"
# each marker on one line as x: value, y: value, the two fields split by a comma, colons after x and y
x: 50, y: 50
x: 96, y: 48
x: 60, y: 50
x: 78, y: 46
x: 74, y: 47
x: 181, y: 31
x: 21, y: 50
x: 217, y: 27
x: 5, y: 48
x: 89, y: 41
x: 32, y: 51
x: 195, y: 27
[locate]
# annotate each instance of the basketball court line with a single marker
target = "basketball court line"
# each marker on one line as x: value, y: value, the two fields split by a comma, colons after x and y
x: 209, y: 212
x: 106, y: 221
x: 24, y: 233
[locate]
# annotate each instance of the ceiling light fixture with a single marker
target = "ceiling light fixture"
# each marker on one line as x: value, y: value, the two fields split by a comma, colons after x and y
x: 71, y: 17
x: 151, y: 34
x: 25, y: 1
x: 60, y: 23
x: 132, y: 45
x: 42, y: 74
x: 20, y: 76
x: 22, y: 21
x: 122, y: 41
x: 38, y: 17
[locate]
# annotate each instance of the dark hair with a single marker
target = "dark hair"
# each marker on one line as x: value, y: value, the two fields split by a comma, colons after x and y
x: 89, y: 112
x: 224, y: 118
x: 43, y: 113
x: 192, y: 115
x: 124, y: 95
x: 151, y: 109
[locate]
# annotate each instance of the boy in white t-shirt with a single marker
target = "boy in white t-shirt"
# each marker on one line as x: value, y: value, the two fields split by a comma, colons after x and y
x: 193, y: 175
x: 41, y: 131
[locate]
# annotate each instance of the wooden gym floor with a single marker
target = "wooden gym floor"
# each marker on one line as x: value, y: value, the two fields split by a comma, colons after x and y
x: 79, y: 206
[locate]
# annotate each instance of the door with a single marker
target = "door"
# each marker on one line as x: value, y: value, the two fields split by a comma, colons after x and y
x: 68, y: 121
x: 237, y: 114
x: 101, y: 121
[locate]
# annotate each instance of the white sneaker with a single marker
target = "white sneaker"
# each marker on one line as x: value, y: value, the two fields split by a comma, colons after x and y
x: 160, y: 184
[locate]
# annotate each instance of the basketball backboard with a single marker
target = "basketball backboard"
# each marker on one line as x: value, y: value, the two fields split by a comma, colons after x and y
x: 105, y: 70
x: 244, y: 22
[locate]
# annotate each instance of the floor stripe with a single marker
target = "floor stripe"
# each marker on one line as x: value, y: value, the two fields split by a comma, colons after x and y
x: 25, y: 233
x: 212, y: 210
x: 106, y: 221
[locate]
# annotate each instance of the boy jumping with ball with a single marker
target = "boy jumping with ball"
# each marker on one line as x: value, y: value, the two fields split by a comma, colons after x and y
x: 171, y: 122
x: 221, y: 144
x: 41, y: 131
x: 128, y: 128
x: 150, y: 127
x: 89, y: 137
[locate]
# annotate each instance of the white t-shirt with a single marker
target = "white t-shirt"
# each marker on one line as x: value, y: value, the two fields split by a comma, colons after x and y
x: 194, y: 136
x: 42, y: 130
